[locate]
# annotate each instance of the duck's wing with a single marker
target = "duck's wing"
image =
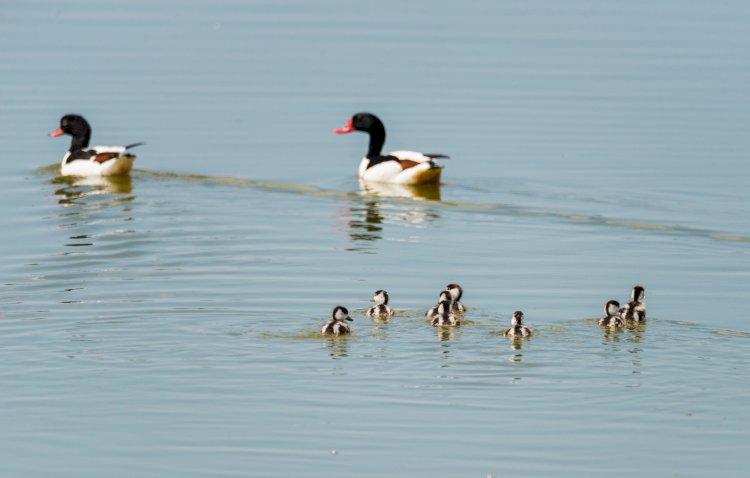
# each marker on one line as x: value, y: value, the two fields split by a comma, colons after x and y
x: 415, y: 156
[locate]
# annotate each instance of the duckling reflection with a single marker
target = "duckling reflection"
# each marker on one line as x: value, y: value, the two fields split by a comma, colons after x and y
x: 517, y: 343
x: 446, y: 334
x: 339, y: 346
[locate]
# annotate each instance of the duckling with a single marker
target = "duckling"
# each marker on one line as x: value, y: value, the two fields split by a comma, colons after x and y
x: 611, y: 315
x: 635, y: 310
x: 517, y: 327
x: 445, y: 316
x: 433, y: 312
x: 380, y: 310
x: 337, y: 325
x: 456, y: 292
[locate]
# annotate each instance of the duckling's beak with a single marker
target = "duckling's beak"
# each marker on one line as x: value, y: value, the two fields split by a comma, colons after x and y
x: 349, y: 319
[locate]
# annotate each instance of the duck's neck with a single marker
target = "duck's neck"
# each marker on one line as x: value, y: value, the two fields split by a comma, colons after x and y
x: 377, y: 138
x: 80, y: 139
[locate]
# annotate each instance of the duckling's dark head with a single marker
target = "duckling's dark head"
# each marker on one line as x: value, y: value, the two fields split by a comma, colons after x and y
x: 381, y: 296
x: 341, y: 313
x: 455, y: 290
x: 612, y: 307
x: 638, y: 293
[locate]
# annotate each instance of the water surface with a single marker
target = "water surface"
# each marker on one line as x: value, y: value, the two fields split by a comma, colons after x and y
x: 166, y: 324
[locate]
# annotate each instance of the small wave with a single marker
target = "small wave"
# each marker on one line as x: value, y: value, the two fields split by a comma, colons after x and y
x: 505, y: 209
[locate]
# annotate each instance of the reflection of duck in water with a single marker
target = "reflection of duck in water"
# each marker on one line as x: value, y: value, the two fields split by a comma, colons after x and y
x: 122, y: 184
x: 381, y: 309
x: 338, y: 348
x: 337, y: 324
x: 611, y: 315
x: 445, y: 316
x: 82, y: 160
x: 404, y: 167
x: 635, y: 310
x: 517, y: 327
x: 430, y: 191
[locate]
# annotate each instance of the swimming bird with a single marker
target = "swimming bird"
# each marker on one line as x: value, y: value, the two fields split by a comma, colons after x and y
x: 433, y: 311
x: 456, y: 292
x: 82, y: 160
x: 404, y: 167
x: 611, y: 315
x: 337, y: 324
x: 635, y: 310
x: 445, y: 316
x: 381, y: 309
x: 517, y: 327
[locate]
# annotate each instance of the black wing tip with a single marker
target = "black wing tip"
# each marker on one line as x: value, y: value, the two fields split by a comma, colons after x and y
x: 437, y: 156
x: 134, y: 145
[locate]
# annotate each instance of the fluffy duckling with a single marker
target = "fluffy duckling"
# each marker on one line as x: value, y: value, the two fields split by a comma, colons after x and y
x: 635, y: 310
x: 433, y: 312
x: 456, y: 292
x: 611, y: 315
x: 517, y: 327
x: 337, y: 324
x: 445, y: 316
x: 381, y: 309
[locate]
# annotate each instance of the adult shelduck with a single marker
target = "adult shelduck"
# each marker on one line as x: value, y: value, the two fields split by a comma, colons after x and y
x: 403, y: 167
x: 80, y: 160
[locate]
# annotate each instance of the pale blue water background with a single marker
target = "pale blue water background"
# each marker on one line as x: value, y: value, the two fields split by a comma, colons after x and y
x: 164, y: 326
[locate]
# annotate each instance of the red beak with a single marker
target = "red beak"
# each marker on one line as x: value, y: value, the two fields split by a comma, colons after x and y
x: 348, y: 128
x: 57, y: 132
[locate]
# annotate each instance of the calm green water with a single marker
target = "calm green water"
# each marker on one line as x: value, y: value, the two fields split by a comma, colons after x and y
x: 165, y: 325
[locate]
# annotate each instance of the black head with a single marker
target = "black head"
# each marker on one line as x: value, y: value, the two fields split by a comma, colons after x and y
x: 638, y: 293
x: 612, y: 307
x: 366, y: 122
x: 518, y: 315
x: 341, y: 313
x: 75, y: 126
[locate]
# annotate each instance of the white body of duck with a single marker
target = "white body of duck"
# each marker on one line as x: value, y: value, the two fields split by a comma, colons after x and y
x: 381, y: 309
x: 517, y: 327
x: 399, y: 167
x: 83, y: 160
